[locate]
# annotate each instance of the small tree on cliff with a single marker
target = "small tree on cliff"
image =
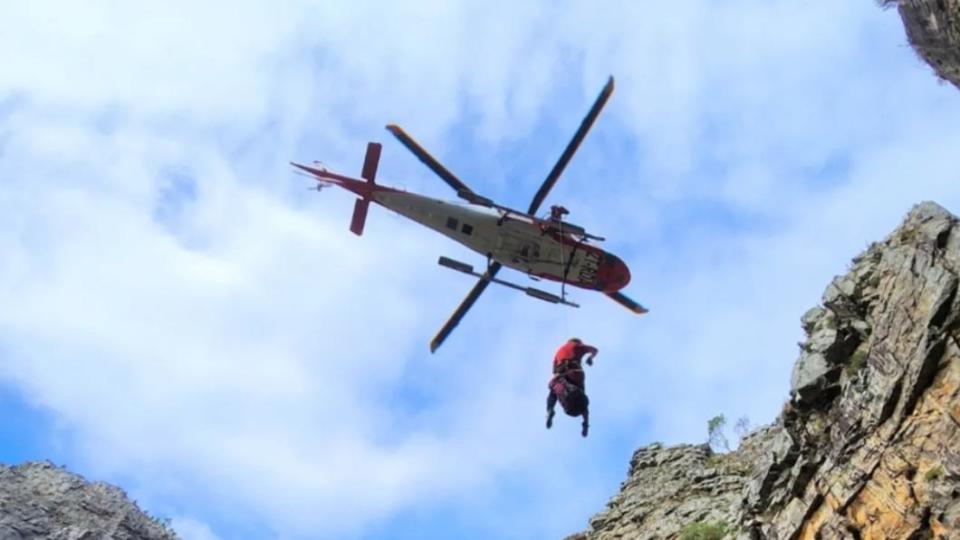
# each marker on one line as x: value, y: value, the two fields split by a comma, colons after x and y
x: 715, y: 437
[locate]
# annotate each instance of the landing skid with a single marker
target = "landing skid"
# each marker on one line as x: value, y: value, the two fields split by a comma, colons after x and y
x: 530, y: 291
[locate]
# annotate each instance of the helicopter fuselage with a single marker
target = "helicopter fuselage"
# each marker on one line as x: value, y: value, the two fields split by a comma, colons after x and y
x: 535, y: 247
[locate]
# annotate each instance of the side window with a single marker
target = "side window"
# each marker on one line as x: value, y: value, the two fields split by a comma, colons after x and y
x: 467, y: 229
x: 452, y: 223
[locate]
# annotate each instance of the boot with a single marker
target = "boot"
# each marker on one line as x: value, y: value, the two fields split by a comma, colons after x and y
x: 550, y: 419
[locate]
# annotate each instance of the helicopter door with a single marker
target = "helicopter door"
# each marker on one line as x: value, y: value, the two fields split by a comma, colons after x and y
x: 518, y: 249
x: 530, y: 252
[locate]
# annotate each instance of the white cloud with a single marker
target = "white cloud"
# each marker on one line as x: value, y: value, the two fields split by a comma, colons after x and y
x: 204, y: 325
x: 191, y: 529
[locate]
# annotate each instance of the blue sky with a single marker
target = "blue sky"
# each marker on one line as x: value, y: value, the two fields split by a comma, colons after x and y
x: 183, y: 318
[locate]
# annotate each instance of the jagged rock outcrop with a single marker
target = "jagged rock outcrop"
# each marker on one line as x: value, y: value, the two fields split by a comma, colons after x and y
x: 40, y: 500
x: 670, y: 487
x: 868, y: 445
x: 933, y: 29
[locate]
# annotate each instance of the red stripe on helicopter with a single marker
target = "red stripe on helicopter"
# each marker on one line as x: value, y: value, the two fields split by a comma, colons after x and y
x: 361, y: 188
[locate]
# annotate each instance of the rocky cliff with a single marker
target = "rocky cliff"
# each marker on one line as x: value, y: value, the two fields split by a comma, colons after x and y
x: 868, y: 444
x: 933, y: 29
x: 40, y: 500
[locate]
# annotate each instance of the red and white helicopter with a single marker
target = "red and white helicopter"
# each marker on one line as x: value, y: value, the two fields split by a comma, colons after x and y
x: 547, y: 248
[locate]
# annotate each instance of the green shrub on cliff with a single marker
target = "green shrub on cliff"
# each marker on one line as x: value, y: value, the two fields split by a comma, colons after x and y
x: 704, y: 530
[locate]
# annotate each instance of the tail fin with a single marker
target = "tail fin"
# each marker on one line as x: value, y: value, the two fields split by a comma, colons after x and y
x: 359, y: 216
x: 370, y: 162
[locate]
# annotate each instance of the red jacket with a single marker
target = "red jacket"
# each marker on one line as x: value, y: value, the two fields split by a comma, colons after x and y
x: 572, y: 351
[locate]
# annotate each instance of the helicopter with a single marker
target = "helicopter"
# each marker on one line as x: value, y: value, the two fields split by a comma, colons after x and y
x: 542, y: 247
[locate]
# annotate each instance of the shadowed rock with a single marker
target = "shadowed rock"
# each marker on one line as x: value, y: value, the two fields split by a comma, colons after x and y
x: 933, y: 29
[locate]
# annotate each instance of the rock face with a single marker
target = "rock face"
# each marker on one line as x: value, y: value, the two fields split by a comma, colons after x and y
x: 933, y: 29
x: 868, y: 445
x: 669, y: 488
x: 40, y: 500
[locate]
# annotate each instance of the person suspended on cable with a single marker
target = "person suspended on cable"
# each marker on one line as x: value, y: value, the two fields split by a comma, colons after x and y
x: 568, y: 382
x: 571, y: 353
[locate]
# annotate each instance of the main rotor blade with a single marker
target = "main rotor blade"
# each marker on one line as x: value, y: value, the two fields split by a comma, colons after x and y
x: 571, y: 147
x: 464, y: 306
x: 427, y: 159
x: 627, y: 302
